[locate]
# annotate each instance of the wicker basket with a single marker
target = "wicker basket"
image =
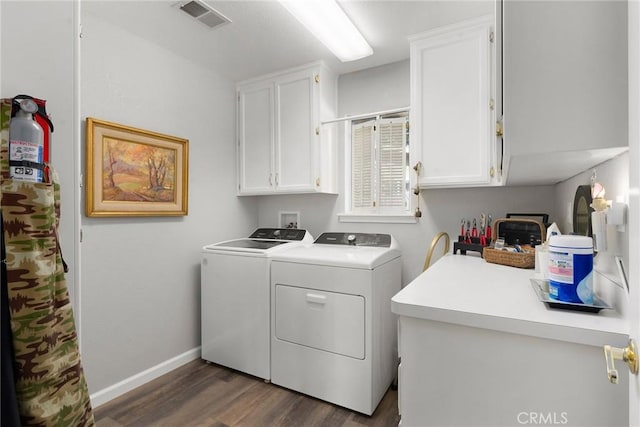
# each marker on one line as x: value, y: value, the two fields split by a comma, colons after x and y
x: 512, y: 259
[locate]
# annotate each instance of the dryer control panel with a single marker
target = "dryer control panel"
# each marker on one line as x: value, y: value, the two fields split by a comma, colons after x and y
x: 355, y: 239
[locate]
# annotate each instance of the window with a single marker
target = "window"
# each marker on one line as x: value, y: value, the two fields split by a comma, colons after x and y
x: 377, y: 167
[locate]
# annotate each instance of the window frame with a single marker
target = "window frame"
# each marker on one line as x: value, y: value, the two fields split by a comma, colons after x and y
x: 376, y: 214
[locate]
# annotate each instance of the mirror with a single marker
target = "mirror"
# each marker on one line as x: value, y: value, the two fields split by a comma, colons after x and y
x: 582, y: 211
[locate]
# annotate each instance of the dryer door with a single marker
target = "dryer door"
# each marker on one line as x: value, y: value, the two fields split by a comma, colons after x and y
x: 327, y: 321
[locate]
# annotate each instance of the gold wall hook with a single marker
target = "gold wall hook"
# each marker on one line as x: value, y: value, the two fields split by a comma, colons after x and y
x: 416, y: 191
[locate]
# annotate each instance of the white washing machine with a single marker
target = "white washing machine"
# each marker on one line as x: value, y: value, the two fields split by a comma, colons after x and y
x: 333, y: 335
x: 235, y: 297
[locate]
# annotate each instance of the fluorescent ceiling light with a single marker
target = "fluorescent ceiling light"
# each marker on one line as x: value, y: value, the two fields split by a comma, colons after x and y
x: 327, y: 21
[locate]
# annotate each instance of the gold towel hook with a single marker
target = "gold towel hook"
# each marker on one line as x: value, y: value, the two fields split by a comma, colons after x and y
x: 434, y: 242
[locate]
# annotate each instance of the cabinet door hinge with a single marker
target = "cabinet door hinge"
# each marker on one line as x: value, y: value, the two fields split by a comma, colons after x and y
x: 317, y: 182
x: 492, y: 104
x: 492, y: 36
x: 499, y: 129
x: 316, y: 78
x: 317, y: 131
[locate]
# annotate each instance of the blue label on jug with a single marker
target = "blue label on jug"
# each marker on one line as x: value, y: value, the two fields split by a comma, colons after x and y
x: 571, y: 277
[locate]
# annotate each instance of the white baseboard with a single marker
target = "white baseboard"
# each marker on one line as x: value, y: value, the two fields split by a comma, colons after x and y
x: 105, y: 395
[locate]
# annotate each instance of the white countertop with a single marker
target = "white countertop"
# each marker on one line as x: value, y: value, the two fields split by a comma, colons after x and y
x: 466, y: 290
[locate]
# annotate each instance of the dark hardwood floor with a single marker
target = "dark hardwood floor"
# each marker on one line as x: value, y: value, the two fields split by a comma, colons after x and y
x: 199, y: 394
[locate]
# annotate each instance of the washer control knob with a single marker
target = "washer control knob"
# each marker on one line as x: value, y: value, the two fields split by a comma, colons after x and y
x: 351, y: 239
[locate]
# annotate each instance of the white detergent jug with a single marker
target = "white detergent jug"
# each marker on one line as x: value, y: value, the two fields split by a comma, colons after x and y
x: 571, y: 269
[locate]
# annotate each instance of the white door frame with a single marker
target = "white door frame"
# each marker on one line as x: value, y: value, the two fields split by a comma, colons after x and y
x: 634, y: 196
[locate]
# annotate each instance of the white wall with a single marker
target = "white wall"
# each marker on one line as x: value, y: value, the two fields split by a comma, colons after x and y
x: 141, y: 276
x: 442, y: 209
x: 614, y: 176
x: 39, y: 62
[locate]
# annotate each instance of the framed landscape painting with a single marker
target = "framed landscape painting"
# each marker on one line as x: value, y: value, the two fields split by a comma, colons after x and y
x: 134, y: 172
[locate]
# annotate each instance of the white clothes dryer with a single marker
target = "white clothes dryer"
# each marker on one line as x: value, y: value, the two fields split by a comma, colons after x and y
x: 333, y: 335
x: 235, y: 297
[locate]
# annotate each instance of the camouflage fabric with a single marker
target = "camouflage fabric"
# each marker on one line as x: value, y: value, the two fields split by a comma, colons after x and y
x: 50, y: 384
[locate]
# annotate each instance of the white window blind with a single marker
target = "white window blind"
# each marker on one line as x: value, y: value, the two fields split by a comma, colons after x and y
x: 393, y: 142
x: 379, y: 158
x: 362, y: 156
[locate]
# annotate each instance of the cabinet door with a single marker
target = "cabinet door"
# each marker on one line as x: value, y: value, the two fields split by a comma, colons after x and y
x: 296, y: 96
x: 255, y: 138
x: 452, y: 113
x: 565, y: 87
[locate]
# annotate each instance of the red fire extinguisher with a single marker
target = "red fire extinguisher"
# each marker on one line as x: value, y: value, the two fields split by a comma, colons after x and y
x: 41, y: 117
x: 26, y: 144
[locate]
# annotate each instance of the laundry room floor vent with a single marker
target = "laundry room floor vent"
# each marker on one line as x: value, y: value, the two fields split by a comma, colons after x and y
x: 203, y: 13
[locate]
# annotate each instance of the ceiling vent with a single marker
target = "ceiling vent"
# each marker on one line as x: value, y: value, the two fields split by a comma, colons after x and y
x: 203, y: 13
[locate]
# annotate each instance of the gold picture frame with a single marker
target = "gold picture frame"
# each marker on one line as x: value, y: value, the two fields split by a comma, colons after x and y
x: 134, y: 172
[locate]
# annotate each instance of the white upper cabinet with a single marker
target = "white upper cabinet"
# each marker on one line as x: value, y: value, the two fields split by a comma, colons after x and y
x: 565, y: 87
x: 280, y: 146
x: 453, y: 105
x: 255, y: 136
x: 296, y: 117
